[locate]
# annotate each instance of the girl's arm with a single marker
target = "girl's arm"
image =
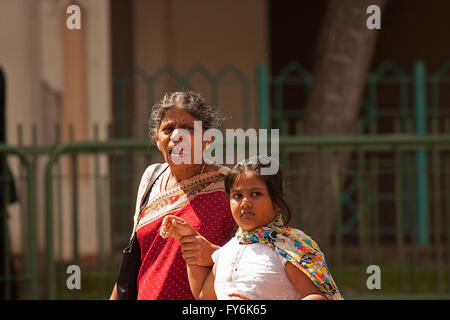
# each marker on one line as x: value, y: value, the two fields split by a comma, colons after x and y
x: 201, y: 281
x: 305, y: 287
x: 196, y: 249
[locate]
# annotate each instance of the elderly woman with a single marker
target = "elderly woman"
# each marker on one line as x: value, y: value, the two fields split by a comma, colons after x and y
x: 192, y: 191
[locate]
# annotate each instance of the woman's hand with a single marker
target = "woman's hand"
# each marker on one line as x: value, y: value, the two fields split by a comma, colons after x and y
x: 176, y: 228
x: 197, y: 250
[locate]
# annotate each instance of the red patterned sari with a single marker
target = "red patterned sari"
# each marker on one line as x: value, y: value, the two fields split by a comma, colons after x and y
x: 202, y: 202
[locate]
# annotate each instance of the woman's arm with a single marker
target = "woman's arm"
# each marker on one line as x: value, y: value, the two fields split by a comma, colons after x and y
x: 201, y: 281
x: 114, y: 293
x: 305, y: 287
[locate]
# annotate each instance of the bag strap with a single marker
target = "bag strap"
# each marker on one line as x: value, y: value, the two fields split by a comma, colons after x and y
x: 160, y: 168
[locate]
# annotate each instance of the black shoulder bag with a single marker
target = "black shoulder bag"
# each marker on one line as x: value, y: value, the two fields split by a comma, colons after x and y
x: 131, y: 256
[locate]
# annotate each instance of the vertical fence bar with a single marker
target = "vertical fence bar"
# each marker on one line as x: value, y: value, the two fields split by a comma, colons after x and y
x: 361, y: 206
x: 339, y: 233
x: 285, y: 161
x: 421, y: 156
x: 31, y: 276
x: 322, y: 187
x: 247, y: 107
x: 6, y: 277
x: 361, y: 219
x: 111, y: 229
x: 447, y: 205
x: 50, y: 264
x: 59, y: 194
x: 75, y: 211
x: 297, y: 171
x: 30, y: 237
x: 25, y: 218
x: 32, y: 232
x: 58, y: 219
x: 437, y: 217
x: 32, y: 200
x: 375, y: 208
x: 399, y: 214
x: 99, y: 215
x: 299, y: 127
x: 24, y: 215
x: 413, y: 214
x: 374, y: 221
x: 263, y: 96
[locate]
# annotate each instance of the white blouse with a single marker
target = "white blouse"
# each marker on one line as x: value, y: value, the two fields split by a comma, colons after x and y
x: 253, y: 270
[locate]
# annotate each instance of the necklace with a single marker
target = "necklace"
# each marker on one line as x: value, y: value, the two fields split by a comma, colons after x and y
x: 167, y: 181
x: 170, y: 173
x: 203, y: 168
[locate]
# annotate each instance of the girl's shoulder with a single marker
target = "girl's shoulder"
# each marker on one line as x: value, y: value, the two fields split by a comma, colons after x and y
x: 229, y: 247
x: 232, y: 244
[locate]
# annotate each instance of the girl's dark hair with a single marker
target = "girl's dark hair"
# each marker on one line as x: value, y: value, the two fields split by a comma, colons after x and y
x: 273, y: 182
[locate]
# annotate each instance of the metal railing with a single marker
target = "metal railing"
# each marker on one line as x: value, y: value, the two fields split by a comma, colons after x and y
x: 29, y: 254
x: 372, y: 227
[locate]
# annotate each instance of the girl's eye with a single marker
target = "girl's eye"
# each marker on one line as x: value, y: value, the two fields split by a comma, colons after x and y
x: 168, y: 129
x: 254, y: 194
x: 236, y: 195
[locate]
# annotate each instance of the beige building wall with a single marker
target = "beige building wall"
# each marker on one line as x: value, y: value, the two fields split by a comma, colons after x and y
x: 19, y: 58
x: 19, y: 35
x: 182, y: 34
x: 177, y: 33
x: 32, y: 58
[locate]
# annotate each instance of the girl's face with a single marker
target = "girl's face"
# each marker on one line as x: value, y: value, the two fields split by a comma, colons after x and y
x: 250, y: 202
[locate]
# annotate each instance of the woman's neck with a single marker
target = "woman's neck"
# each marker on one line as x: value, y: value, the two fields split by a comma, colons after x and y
x: 180, y: 174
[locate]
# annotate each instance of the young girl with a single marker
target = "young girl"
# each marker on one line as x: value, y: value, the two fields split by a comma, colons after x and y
x: 265, y: 260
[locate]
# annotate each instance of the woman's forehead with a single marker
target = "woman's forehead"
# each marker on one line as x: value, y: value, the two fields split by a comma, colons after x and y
x: 176, y: 114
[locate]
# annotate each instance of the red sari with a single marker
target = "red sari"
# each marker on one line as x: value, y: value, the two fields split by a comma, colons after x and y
x: 203, y: 203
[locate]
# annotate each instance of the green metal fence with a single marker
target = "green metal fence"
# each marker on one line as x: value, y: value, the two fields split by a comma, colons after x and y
x: 394, y: 196
x: 145, y: 88
x: 412, y: 110
x: 25, y: 280
x: 408, y: 267
x: 411, y: 107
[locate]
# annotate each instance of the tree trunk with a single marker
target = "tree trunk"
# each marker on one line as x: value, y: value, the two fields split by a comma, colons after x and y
x: 344, y: 55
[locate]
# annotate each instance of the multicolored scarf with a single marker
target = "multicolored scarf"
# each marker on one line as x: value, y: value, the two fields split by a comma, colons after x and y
x: 296, y: 247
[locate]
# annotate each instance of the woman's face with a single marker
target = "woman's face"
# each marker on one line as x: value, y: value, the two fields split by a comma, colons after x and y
x: 169, y: 135
x: 250, y: 202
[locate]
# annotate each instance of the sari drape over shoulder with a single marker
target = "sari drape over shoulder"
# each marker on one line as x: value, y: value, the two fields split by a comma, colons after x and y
x: 202, y: 202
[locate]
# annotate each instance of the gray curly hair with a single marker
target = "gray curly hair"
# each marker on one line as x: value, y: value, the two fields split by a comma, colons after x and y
x: 189, y: 101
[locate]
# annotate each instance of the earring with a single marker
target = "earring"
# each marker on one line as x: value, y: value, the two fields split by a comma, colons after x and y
x: 278, y: 219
